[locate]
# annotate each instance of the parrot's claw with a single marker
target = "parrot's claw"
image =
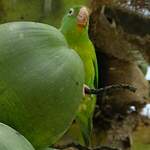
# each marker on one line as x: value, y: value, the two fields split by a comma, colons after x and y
x: 85, y: 89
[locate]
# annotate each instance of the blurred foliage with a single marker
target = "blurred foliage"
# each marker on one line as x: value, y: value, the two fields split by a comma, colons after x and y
x: 58, y: 8
x: 47, y: 11
x: 141, y: 138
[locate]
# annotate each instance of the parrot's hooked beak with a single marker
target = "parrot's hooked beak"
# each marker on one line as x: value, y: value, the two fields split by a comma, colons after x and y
x: 83, y: 17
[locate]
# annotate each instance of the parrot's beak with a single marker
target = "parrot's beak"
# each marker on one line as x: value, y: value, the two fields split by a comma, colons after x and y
x: 83, y: 17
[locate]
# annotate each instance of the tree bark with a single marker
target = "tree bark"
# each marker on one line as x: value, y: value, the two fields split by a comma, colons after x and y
x: 122, y: 50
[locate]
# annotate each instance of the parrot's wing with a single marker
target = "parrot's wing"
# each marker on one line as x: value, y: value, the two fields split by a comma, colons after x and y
x: 96, y: 73
x: 85, y: 114
x: 84, y: 118
x: 94, y: 59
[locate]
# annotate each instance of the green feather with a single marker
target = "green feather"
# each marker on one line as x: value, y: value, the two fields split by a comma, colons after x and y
x: 78, y: 40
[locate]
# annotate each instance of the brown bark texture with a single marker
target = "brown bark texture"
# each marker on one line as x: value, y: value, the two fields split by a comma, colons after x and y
x: 122, y: 41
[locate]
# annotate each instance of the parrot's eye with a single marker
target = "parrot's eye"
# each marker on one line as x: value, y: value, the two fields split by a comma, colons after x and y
x: 71, y: 12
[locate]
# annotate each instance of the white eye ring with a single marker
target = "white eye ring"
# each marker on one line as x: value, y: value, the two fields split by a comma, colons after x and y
x: 71, y: 12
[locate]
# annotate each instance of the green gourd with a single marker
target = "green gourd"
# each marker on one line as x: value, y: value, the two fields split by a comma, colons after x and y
x: 10, y: 139
x: 41, y: 81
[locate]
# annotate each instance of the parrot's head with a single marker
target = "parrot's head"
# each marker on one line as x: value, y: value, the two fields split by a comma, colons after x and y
x: 75, y: 21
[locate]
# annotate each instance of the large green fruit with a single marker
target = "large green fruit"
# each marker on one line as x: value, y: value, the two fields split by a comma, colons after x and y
x: 41, y: 81
x: 10, y: 139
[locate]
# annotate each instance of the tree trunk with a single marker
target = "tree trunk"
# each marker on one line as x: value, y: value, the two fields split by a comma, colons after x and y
x: 123, y: 52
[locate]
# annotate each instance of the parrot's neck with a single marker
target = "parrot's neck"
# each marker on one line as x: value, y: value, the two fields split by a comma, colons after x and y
x: 75, y: 36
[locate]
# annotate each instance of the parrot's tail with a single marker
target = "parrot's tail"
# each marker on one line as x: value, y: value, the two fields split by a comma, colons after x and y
x: 85, y: 118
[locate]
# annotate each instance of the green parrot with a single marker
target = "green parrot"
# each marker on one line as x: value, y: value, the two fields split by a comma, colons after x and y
x: 75, y: 29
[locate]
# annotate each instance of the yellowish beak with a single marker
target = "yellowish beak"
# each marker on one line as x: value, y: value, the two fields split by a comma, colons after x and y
x: 83, y: 17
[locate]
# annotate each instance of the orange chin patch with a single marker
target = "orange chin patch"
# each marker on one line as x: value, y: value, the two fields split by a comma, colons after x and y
x: 80, y: 28
x: 82, y: 18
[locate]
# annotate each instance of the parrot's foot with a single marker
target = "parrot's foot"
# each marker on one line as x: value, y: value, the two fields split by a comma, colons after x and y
x: 86, y: 89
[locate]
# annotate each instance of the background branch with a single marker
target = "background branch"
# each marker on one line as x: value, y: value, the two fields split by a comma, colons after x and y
x: 110, y: 88
x: 81, y: 147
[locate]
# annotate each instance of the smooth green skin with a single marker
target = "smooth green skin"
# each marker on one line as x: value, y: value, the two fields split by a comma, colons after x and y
x: 78, y: 40
x: 41, y: 81
x: 10, y: 139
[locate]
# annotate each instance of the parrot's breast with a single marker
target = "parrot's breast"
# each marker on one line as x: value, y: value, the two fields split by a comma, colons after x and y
x: 85, y: 55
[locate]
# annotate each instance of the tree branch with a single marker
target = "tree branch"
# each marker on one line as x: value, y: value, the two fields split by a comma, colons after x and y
x: 110, y: 88
x: 81, y: 147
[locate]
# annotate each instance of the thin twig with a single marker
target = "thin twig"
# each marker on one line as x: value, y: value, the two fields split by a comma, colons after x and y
x: 81, y: 147
x: 69, y: 145
x: 104, y: 148
x: 110, y: 88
